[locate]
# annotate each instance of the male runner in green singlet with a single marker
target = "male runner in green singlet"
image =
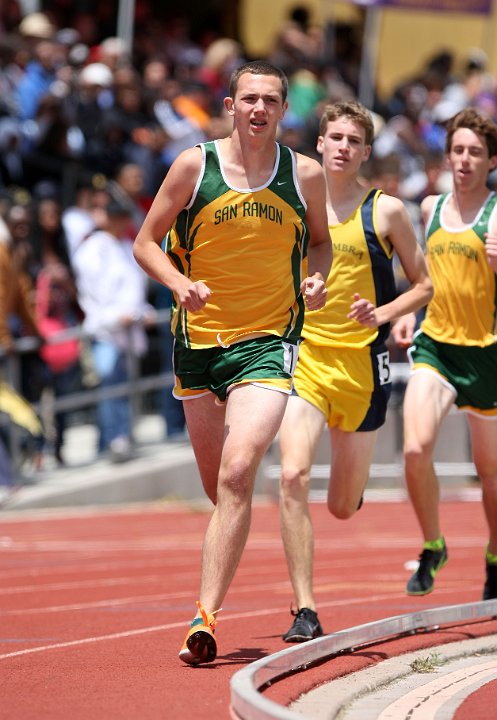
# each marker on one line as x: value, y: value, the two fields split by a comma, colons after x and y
x: 239, y: 215
x: 342, y: 377
x: 454, y: 356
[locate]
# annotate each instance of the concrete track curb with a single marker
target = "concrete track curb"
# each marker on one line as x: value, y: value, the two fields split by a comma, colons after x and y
x: 365, y: 693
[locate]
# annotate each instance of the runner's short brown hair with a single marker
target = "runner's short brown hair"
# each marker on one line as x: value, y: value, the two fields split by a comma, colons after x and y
x: 258, y: 67
x: 354, y: 111
x: 473, y: 120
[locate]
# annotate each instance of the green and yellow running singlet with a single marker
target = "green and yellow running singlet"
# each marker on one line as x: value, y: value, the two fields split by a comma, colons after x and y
x: 463, y: 308
x: 247, y: 246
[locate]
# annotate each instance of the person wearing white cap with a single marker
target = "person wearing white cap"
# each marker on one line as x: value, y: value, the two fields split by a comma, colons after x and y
x: 94, y: 98
x: 37, y: 25
x: 96, y: 74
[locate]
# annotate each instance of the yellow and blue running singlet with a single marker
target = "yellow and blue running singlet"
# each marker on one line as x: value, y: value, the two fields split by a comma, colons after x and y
x: 343, y: 368
x: 362, y: 263
x: 457, y: 260
x: 247, y: 246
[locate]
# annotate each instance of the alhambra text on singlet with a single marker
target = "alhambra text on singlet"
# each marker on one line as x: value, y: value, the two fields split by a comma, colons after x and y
x: 351, y: 249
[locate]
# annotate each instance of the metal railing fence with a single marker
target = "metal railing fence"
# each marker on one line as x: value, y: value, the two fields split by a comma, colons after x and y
x: 136, y: 388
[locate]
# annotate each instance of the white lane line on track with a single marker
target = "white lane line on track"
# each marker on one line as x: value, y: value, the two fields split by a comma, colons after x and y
x: 281, y: 586
x: 182, y: 509
x: 86, y: 641
x: 77, y: 584
x: 109, y: 546
x: 143, y: 579
x: 424, y: 702
x: 171, y: 626
x: 166, y: 562
x: 386, y: 542
x: 113, y: 602
x: 193, y: 544
x: 139, y: 510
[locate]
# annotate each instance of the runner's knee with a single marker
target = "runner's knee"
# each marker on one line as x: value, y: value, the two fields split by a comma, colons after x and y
x: 294, y: 482
x: 236, y: 481
x: 342, y: 508
x: 416, y: 456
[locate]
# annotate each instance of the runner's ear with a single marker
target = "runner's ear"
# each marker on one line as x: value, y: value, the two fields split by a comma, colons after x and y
x: 228, y: 104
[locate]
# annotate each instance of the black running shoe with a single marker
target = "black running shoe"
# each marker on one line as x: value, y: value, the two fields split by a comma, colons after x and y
x: 306, y: 626
x: 490, y: 587
x: 430, y: 562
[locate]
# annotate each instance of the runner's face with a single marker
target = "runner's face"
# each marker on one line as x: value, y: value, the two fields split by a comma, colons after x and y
x: 469, y: 160
x: 343, y: 146
x: 258, y: 104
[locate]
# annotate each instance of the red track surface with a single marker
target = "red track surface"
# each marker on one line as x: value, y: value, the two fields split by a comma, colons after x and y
x: 94, y: 606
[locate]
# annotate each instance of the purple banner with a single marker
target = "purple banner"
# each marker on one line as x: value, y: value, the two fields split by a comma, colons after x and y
x: 476, y: 7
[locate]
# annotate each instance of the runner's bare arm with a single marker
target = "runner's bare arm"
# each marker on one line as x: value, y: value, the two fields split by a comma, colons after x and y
x: 491, y: 245
x: 313, y: 186
x: 403, y: 328
x: 395, y: 226
x: 173, y: 195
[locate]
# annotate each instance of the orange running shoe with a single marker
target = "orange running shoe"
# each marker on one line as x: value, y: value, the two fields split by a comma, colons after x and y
x: 200, y: 644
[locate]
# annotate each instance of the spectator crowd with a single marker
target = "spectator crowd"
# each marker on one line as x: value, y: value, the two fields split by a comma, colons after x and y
x: 88, y: 131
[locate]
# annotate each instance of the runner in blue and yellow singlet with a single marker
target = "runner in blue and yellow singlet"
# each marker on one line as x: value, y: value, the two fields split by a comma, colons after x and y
x: 239, y: 215
x: 454, y: 355
x: 342, y: 377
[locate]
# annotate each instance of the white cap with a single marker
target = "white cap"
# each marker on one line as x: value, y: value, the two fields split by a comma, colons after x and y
x: 96, y: 74
x: 37, y: 25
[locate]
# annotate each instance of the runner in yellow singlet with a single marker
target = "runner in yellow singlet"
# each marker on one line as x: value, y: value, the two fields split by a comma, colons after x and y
x: 454, y: 356
x: 342, y: 377
x: 239, y: 215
